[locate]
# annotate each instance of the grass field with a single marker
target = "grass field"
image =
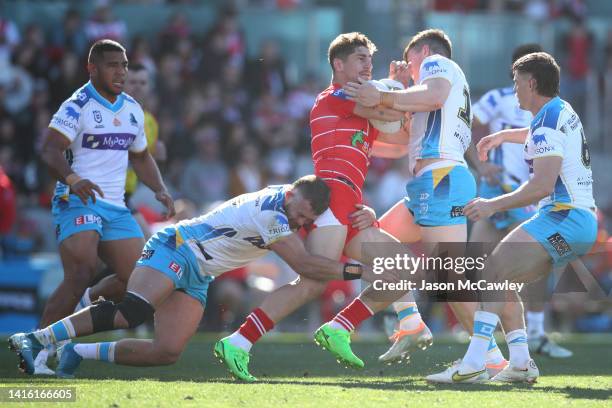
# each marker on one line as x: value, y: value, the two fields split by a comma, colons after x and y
x: 294, y: 372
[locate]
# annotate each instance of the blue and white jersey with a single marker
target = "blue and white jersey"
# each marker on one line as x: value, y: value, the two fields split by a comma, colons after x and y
x: 499, y: 108
x: 557, y: 131
x: 445, y: 133
x: 101, y: 134
x: 237, y: 232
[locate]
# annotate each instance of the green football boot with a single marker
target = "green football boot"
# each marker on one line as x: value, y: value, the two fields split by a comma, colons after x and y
x: 235, y: 359
x: 338, y: 342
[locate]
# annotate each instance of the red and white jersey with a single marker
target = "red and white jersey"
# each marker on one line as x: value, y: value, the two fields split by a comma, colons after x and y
x: 341, y: 141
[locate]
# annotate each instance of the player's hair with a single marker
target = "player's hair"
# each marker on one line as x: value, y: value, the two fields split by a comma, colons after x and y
x: 344, y: 45
x: 436, y: 39
x: 543, y: 68
x: 97, y: 50
x: 315, y: 191
x: 525, y: 49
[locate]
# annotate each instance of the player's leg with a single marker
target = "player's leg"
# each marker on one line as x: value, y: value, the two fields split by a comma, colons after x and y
x: 79, y: 259
x: 171, y: 337
x: 147, y: 288
x: 120, y: 247
x: 325, y: 241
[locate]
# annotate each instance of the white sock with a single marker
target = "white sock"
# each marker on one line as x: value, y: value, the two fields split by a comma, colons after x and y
x: 476, y: 355
x: 84, y: 301
x: 407, y: 313
x: 238, y: 340
x: 519, y: 352
x: 535, y: 324
x: 96, y: 351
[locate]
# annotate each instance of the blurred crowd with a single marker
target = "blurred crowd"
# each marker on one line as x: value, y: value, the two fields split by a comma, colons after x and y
x: 230, y: 123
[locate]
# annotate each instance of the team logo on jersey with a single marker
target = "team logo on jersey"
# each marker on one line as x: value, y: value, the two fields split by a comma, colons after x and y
x: 116, y: 121
x: 539, y: 139
x: 176, y: 268
x: 357, y: 138
x: 133, y: 120
x: 97, y: 116
x: 72, y: 114
x: 431, y: 65
x: 279, y: 225
x: 339, y: 93
x: 108, y: 141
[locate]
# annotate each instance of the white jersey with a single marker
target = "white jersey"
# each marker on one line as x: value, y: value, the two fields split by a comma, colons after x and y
x: 557, y: 131
x: 101, y: 134
x: 445, y: 133
x: 499, y: 108
x: 237, y: 232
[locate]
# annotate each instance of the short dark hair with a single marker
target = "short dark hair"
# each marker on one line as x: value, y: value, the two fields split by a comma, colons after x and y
x: 436, y: 39
x: 138, y: 67
x: 97, y: 50
x: 543, y: 68
x: 344, y: 45
x: 315, y: 191
x: 525, y: 49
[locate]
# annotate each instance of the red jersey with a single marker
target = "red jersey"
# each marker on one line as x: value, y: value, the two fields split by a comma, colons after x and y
x: 341, y: 141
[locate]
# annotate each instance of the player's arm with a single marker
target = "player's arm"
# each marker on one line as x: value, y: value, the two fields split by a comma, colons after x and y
x: 147, y: 171
x: 378, y: 113
x: 389, y: 150
x: 52, y: 154
x: 545, y: 173
x: 485, y: 169
x: 291, y: 249
x: 491, y: 141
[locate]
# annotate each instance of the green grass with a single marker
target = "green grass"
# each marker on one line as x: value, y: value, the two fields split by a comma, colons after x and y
x: 294, y: 372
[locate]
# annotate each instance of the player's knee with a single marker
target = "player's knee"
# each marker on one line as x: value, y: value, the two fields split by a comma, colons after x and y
x: 103, y: 315
x: 135, y: 310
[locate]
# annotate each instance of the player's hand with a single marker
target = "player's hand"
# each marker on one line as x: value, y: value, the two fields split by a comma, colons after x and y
x: 486, y: 144
x: 490, y: 172
x: 362, y: 93
x: 479, y: 209
x: 166, y: 199
x: 398, y: 70
x: 363, y: 218
x: 84, y: 189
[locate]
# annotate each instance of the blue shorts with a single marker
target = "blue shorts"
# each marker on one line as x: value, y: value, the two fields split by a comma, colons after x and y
x: 436, y: 198
x: 565, y: 233
x: 503, y: 220
x: 110, y: 221
x: 177, y: 263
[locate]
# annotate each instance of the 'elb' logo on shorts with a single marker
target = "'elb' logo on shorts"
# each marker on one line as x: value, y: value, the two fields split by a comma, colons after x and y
x: 176, y: 268
x: 87, y: 219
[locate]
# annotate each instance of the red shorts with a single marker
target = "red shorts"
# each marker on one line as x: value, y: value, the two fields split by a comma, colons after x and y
x: 341, y: 205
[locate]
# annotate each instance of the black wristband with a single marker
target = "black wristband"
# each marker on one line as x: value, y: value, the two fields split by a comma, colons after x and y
x: 352, y: 271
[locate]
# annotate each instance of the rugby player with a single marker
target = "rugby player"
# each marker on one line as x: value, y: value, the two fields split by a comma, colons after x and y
x: 178, y: 263
x: 563, y: 228
x: 342, y: 139
x: 87, y: 147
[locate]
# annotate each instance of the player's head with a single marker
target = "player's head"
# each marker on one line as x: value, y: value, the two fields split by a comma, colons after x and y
x: 108, y: 66
x: 306, y: 200
x: 523, y: 50
x: 535, y: 75
x: 424, y: 44
x: 138, y: 83
x: 350, y: 57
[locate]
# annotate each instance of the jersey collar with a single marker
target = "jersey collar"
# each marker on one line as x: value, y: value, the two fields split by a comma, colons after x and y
x: 114, y: 107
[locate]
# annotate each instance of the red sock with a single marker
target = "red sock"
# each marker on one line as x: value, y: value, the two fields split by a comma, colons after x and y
x: 353, y: 315
x: 256, y: 325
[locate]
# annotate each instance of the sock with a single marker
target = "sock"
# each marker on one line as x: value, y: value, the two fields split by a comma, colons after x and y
x: 494, y: 354
x: 256, y: 325
x: 476, y: 355
x: 408, y: 315
x: 84, y: 301
x: 519, y: 352
x: 352, y: 316
x: 58, y: 331
x: 96, y: 351
x: 535, y: 324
